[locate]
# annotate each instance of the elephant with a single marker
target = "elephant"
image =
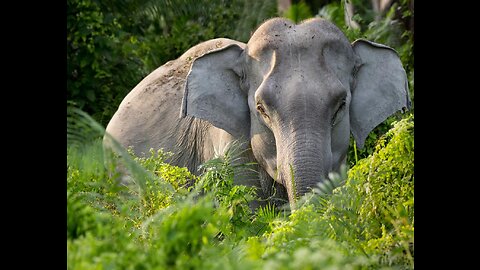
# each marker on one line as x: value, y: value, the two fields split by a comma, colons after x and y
x: 293, y: 92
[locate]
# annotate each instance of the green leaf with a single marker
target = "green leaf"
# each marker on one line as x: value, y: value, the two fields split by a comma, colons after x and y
x: 90, y: 94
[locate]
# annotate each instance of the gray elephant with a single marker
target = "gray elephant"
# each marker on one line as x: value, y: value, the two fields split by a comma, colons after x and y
x: 294, y: 92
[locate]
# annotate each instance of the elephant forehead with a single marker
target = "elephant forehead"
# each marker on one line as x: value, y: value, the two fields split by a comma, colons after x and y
x: 281, y: 34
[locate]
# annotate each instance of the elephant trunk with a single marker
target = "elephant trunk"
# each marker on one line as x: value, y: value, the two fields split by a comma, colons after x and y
x: 304, y: 161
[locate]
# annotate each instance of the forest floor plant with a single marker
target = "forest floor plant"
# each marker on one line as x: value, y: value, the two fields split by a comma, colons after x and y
x: 362, y: 218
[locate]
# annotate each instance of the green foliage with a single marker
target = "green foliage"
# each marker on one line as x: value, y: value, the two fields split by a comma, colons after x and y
x: 370, y: 141
x: 298, y: 12
x: 158, y: 194
x: 363, y: 219
x: 387, y: 175
x: 99, y: 48
x: 218, y: 179
x: 80, y: 216
x: 181, y: 236
x: 335, y: 12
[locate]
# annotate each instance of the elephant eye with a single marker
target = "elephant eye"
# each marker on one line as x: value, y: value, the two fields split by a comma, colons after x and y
x: 339, y: 113
x: 261, y: 110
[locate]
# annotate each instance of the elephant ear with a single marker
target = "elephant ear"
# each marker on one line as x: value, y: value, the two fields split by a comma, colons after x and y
x: 380, y: 90
x: 213, y: 93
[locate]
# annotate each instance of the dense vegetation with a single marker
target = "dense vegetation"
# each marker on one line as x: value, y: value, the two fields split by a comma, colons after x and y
x: 362, y: 218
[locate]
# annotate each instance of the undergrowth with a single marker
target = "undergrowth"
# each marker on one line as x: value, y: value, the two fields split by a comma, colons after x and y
x: 362, y: 218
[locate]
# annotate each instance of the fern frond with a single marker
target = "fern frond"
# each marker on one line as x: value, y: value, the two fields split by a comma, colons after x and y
x: 267, y: 213
x: 83, y: 130
x: 333, y: 181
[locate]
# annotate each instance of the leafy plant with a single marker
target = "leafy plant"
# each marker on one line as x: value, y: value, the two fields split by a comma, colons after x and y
x: 356, y: 220
x: 298, y: 12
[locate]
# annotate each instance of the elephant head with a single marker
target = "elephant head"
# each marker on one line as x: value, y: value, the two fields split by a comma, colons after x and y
x: 296, y: 92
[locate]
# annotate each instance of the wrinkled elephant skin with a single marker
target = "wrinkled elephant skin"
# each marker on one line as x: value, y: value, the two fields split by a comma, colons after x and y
x: 295, y: 92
